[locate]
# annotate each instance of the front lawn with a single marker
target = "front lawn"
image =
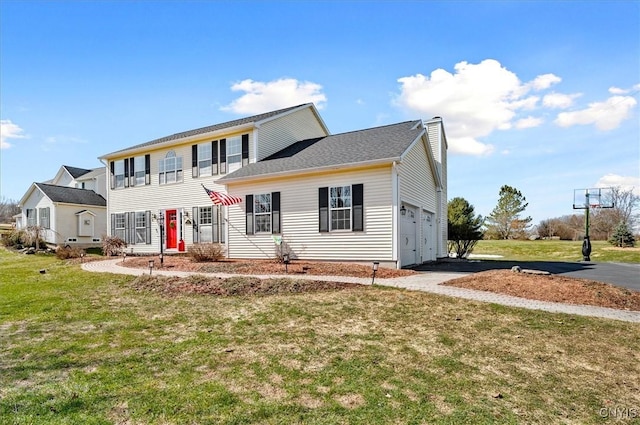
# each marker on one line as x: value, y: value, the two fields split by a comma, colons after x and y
x: 80, y: 347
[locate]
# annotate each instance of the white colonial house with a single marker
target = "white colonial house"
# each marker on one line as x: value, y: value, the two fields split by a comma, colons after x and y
x: 370, y: 195
x: 70, y: 209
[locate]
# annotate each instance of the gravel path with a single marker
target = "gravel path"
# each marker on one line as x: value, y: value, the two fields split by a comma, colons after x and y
x: 427, y: 282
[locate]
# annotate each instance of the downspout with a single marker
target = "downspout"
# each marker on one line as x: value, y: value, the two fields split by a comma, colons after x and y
x: 107, y: 182
x: 395, y: 196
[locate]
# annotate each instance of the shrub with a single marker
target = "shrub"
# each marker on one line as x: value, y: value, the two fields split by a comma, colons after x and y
x: 113, y: 245
x: 64, y: 253
x: 14, y: 238
x: 203, y: 252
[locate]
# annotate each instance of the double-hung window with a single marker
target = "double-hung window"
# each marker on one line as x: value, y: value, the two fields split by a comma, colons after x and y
x: 140, y: 227
x: 263, y: 213
x: 234, y: 153
x: 170, y: 169
x: 118, y: 173
x: 44, y: 218
x: 120, y: 226
x: 209, y: 224
x: 204, y: 159
x: 32, y: 221
x: 139, y: 171
x: 340, y: 208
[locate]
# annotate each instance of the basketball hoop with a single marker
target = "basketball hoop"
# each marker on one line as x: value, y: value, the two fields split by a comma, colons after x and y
x: 586, y: 199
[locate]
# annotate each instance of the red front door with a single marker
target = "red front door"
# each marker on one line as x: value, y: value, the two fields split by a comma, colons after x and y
x: 172, y: 229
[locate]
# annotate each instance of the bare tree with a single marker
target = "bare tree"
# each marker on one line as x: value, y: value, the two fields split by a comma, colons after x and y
x: 8, y: 208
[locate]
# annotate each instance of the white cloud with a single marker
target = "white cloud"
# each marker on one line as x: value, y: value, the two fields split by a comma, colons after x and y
x: 545, y: 81
x: 267, y: 96
x: 9, y: 130
x: 605, y: 115
x: 528, y: 122
x: 559, y: 100
x: 625, y: 182
x: 475, y: 100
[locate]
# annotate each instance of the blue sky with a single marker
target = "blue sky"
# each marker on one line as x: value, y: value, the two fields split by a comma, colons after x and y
x: 542, y: 96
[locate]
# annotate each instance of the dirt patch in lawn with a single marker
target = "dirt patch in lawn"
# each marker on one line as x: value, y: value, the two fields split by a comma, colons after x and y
x: 234, y: 286
x: 552, y: 288
x: 266, y: 267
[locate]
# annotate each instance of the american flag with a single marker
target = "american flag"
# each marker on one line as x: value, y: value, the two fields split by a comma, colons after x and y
x: 220, y: 198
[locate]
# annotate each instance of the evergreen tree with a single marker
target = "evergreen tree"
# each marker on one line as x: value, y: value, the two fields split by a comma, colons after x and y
x: 463, y: 227
x: 504, y: 221
x: 622, y: 236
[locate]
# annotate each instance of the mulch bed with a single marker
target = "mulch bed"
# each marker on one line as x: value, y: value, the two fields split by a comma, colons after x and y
x: 552, y: 288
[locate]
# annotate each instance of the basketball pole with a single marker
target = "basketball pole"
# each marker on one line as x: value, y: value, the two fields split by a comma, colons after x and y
x: 586, y: 244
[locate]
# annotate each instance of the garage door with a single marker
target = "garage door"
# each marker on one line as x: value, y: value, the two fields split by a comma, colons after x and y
x: 408, y: 230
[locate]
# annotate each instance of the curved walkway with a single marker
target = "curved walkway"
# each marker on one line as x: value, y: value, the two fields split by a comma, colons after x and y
x: 427, y: 282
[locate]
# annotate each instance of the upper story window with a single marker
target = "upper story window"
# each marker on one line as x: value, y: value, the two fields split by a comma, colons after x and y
x: 204, y: 159
x: 134, y: 171
x: 170, y: 169
x: 234, y: 153
x: 138, y: 172
x: 118, y: 173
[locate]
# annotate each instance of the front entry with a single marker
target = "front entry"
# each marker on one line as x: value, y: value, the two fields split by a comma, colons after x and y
x: 171, y: 227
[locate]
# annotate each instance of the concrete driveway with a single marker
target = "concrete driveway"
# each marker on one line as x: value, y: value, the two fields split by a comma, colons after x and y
x: 620, y: 274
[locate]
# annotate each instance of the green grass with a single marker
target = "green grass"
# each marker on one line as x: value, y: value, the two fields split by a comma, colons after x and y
x: 554, y: 250
x: 79, y: 347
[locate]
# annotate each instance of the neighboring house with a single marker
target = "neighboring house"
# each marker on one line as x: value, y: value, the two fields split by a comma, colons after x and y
x: 371, y: 195
x: 69, y: 209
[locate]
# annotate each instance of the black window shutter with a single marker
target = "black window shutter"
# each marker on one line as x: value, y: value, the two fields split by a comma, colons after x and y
x: 131, y: 228
x: 194, y: 217
x: 214, y: 157
x: 126, y: 172
x: 275, y: 212
x: 245, y: 149
x: 147, y: 169
x: 112, y: 177
x: 323, y: 209
x: 357, y: 213
x: 132, y: 172
x: 113, y: 222
x: 249, y: 213
x: 147, y: 222
x: 194, y: 160
x: 223, y: 156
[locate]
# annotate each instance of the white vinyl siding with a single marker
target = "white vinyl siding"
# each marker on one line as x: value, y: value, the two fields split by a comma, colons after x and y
x: 278, y: 134
x: 299, y: 218
x: 417, y: 185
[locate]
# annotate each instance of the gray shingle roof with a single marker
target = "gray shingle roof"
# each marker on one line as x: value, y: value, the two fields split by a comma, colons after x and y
x: 71, y: 195
x: 76, y: 172
x: 211, y: 128
x: 362, y: 146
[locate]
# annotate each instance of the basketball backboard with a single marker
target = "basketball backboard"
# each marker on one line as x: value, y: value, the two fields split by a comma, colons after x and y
x: 601, y: 197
